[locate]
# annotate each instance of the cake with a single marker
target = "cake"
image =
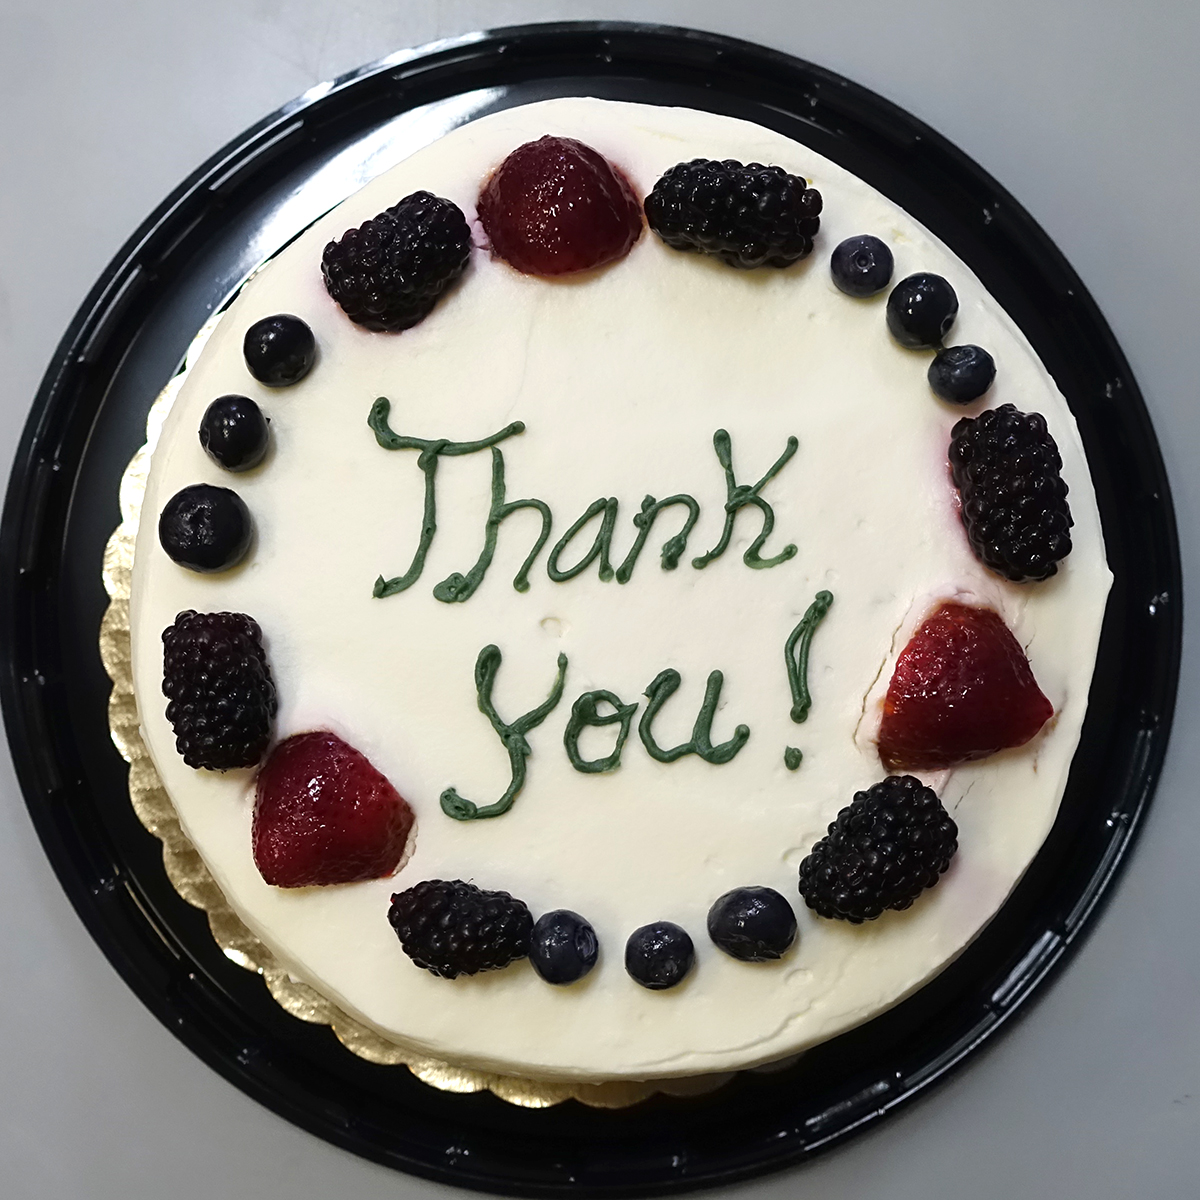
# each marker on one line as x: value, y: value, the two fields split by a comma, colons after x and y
x: 737, y: 503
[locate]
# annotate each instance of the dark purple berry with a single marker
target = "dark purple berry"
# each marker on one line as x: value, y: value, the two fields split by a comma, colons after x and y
x: 960, y: 374
x: 747, y: 216
x: 389, y: 272
x: 205, y: 528
x: 883, y: 850
x: 920, y: 311
x: 754, y: 924
x: 861, y: 266
x: 1008, y: 472
x: 219, y: 687
x: 279, y: 350
x: 658, y: 956
x: 233, y: 432
x: 453, y: 928
x: 563, y: 947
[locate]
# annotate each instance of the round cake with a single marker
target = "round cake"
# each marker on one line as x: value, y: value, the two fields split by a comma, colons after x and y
x: 646, y: 624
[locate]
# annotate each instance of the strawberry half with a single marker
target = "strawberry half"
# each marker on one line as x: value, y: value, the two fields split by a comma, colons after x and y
x: 962, y: 689
x: 556, y: 206
x: 323, y: 814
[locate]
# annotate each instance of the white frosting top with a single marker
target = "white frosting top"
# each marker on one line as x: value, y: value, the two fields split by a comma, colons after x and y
x: 621, y: 377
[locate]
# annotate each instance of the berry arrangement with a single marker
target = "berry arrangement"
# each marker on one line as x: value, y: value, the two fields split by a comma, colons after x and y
x: 883, y: 850
x: 389, y: 272
x: 209, y: 529
x: 920, y: 312
x: 1005, y: 463
x: 962, y: 687
x: 454, y: 928
x: 221, y: 697
x: 747, y: 216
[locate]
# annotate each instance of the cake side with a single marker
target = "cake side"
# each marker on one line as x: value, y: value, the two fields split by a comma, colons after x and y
x: 621, y: 379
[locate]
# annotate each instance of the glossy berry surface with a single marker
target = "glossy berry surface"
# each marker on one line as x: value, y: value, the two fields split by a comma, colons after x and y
x: 754, y: 924
x: 861, y: 266
x: 279, y: 350
x: 563, y: 947
x: 453, y: 928
x: 556, y: 206
x: 747, y: 216
x: 233, y: 432
x: 388, y: 274
x: 221, y: 697
x: 1008, y: 472
x: 205, y: 528
x: 962, y: 689
x: 920, y: 310
x: 660, y: 955
x: 884, y: 849
x: 323, y: 815
x: 960, y: 374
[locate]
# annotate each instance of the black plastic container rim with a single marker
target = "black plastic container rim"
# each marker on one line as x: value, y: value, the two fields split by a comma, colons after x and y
x: 34, y: 681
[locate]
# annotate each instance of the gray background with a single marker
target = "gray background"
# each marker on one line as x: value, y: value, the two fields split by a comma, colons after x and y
x: 1086, y: 111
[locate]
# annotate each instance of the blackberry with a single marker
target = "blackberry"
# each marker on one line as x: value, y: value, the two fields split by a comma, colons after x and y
x: 389, y: 272
x: 1006, y: 467
x: 882, y: 852
x: 219, y: 687
x: 453, y: 928
x: 748, y: 216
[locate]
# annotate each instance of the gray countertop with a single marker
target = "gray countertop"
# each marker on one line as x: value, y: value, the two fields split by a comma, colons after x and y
x: 1085, y: 111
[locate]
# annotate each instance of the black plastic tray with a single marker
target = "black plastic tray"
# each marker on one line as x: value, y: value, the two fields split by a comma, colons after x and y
x: 88, y: 419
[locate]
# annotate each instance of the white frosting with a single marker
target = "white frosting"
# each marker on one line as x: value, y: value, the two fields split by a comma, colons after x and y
x: 621, y: 378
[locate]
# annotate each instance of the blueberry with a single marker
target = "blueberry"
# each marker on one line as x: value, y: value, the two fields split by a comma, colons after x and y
x: 234, y: 433
x: 279, y: 350
x: 961, y: 374
x: 861, y: 266
x: 659, y: 956
x: 755, y: 924
x: 921, y: 310
x: 563, y: 948
x: 205, y: 528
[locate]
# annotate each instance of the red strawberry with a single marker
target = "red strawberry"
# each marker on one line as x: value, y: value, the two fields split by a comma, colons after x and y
x: 556, y: 206
x: 962, y: 689
x: 324, y: 814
